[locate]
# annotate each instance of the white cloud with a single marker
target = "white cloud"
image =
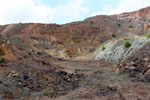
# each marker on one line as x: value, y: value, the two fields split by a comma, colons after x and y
x: 15, y: 11
x: 21, y: 11
x: 123, y: 6
x: 130, y: 5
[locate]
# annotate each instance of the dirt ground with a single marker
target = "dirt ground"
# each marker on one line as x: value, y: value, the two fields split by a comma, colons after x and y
x: 29, y: 75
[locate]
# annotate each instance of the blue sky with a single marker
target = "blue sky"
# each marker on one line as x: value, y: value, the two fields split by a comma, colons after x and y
x: 92, y: 6
x: 63, y: 11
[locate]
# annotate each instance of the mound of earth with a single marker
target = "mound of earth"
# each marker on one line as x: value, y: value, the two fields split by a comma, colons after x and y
x: 30, y: 74
x: 138, y: 65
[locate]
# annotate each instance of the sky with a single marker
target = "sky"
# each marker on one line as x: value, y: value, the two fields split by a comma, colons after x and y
x: 63, y: 11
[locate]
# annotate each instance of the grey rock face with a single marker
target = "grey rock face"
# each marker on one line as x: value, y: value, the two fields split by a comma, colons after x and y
x: 117, y: 52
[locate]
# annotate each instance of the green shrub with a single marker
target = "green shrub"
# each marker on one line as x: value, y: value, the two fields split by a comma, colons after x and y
x: 127, y: 43
x: 119, y: 25
x: 113, y: 35
x: 31, y: 37
x: 125, y: 39
x: 103, y: 48
x: 148, y: 35
x: 98, y: 71
x: 77, y: 69
x: 2, y: 59
x: 8, y: 35
x: 130, y: 26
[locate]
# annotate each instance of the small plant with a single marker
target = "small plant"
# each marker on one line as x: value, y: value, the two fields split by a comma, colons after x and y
x: 76, y: 69
x: 119, y: 25
x: 130, y: 26
x: 32, y: 37
x: 98, y: 71
x: 8, y: 35
x: 103, y: 48
x: 2, y: 59
x: 127, y: 43
x: 125, y: 39
x: 148, y: 35
x: 113, y: 35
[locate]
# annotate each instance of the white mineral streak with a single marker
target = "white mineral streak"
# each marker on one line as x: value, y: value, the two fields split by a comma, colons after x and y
x: 116, y: 51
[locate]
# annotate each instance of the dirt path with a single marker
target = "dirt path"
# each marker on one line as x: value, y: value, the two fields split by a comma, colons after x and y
x: 101, y: 83
x: 97, y: 74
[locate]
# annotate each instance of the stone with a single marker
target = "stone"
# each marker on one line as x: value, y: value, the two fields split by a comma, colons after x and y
x: 1, y: 82
x: 25, y: 77
x: 12, y: 93
x: 146, y: 59
x: 16, y: 74
x: 49, y: 91
x: 47, y: 77
x: 112, y: 87
x: 132, y: 68
x: 13, y: 73
x: 117, y: 71
x: 147, y: 75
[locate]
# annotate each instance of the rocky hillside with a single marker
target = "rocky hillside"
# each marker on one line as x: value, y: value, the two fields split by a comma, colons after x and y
x: 80, y: 38
x: 108, y: 55
x: 91, y: 31
x: 116, y: 51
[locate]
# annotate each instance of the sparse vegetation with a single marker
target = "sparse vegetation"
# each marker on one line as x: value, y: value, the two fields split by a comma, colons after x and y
x: 8, y: 35
x: 32, y: 37
x: 103, y: 48
x: 130, y: 26
x: 148, y: 35
x: 119, y: 25
x: 98, y: 71
x: 113, y: 35
x: 125, y: 39
x: 76, y: 69
x: 127, y: 43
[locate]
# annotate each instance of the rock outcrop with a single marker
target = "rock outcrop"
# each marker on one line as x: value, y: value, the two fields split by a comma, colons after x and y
x: 116, y: 51
x: 138, y: 64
